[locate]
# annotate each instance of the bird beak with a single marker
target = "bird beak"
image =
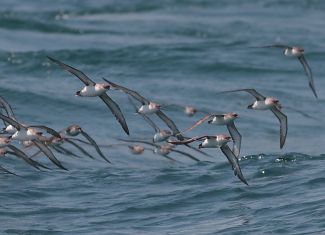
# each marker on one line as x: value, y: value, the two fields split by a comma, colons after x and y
x: 78, y: 93
x: 107, y: 86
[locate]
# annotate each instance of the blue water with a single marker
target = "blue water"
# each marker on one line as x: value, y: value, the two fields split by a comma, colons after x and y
x: 173, y: 52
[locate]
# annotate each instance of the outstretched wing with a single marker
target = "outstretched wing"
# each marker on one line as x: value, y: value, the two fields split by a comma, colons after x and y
x: 170, y: 124
x: 115, y: 109
x: 20, y: 154
x: 6, y: 106
x: 132, y: 93
x: 283, y: 124
x: 187, y: 141
x: 199, y: 122
x: 274, y: 46
x: 186, y: 154
x: 86, y: 80
x: 12, y: 122
x: 309, y: 73
x: 234, y: 162
x: 251, y: 91
x: 93, y: 143
x: 48, y: 153
x: 48, y: 130
x: 236, y: 137
x: 145, y: 117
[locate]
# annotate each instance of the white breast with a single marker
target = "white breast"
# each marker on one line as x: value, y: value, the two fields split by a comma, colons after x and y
x: 91, y: 91
x: 219, y: 121
x: 260, y: 105
x: 145, y: 109
x: 10, y: 129
x: 160, y: 136
x: 23, y: 135
x: 211, y: 143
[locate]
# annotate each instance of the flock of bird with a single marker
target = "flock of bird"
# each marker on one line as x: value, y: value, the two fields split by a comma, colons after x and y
x: 16, y: 136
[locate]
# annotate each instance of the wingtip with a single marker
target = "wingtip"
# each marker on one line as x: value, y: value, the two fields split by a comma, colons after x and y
x: 126, y: 129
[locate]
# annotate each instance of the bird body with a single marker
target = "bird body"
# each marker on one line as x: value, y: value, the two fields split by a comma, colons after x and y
x: 93, y: 90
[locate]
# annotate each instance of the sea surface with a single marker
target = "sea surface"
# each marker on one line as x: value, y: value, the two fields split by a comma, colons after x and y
x: 175, y: 53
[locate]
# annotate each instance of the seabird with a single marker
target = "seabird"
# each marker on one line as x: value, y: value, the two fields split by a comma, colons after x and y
x: 163, y: 150
x: 95, y: 89
x: 269, y: 103
x: 32, y: 134
x: 74, y: 130
x: 160, y: 135
x: 219, y: 141
x: 292, y: 51
x: 149, y: 107
x: 223, y: 119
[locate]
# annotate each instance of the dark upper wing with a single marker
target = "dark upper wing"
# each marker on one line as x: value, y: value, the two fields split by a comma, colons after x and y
x: 70, y: 141
x: 185, y: 154
x: 253, y: 92
x: 7, y: 171
x: 150, y: 122
x: 115, y: 109
x: 170, y: 124
x: 283, y: 124
x: 48, y: 130
x: 132, y: 93
x: 48, y: 153
x: 20, y: 154
x: 145, y: 117
x: 199, y: 122
x: 274, y: 46
x: 12, y: 122
x: 187, y: 141
x: 236, y: 137
x: 6, y: 106
x: 234, y: 162
x: 309, y: 74
x: 92, y: 141
x: 86, y: 80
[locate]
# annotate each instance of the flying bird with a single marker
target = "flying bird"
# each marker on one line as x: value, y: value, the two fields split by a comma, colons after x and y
x: 219, y: 141
x: 268, y: 103
x: 31, y: 133
x: 223, y: 119
x: 93, y: 89
x: 292, y: 51
x: 74, y: 130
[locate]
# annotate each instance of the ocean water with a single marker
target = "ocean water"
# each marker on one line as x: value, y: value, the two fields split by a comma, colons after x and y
x: 172, y: 52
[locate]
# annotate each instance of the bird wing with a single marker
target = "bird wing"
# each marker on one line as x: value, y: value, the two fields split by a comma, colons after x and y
x: 199, y: 122
x: 309, y: 73
x: 236, y: 137
x: 6, y: 106
x: 12, y: 122
x: 185, y: 154
x: 48, y: 153
x: 78, y: 147
x: 20, y: 154
x: 274, y: 46
x: 234, y: 162
x: 7, y: 171
x: 187, y: 141
x: 115, y: 109
x: 83, y: 77
x: 283, y: 124
x: 170, y: 124
x: 145, y: 117
x: 47, y: 129
x: 132, y: 93
x: 251, y: 91
x: 93, y: 143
